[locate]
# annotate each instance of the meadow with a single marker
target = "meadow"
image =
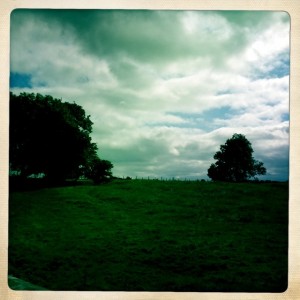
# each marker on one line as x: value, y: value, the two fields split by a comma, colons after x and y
x: 150, y: 235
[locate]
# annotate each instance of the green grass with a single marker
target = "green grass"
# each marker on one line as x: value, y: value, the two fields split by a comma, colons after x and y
x: 152, y: 236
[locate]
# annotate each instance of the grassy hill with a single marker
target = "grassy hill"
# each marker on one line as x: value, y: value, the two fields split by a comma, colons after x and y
x: 134, y: 235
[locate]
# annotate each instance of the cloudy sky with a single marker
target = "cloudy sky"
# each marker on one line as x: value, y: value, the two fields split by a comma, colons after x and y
x: 164, y: 88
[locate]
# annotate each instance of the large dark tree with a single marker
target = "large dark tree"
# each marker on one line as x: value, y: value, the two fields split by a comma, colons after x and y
x: 235, y: 161
x: 49, y: 136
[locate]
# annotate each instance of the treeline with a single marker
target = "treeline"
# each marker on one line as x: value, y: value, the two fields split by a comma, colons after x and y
x: 52, y: 137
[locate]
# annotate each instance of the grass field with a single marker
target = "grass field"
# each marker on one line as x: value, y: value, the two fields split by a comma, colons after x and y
x: 134, y: 235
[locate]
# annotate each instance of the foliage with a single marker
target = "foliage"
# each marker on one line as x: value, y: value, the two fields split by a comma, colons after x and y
x: 235, y: 161
x: 141, y: 235
x: 49, y: 136
x: 99, y: 170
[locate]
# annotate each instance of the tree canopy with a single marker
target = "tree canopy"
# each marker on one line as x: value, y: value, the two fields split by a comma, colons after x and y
x: 235, y: 161
x: 49, y: 136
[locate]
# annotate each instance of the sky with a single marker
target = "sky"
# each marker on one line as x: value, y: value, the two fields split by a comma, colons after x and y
x: 164, y: 89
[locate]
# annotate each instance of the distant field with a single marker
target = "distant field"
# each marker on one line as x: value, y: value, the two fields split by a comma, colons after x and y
x: 134, y: 235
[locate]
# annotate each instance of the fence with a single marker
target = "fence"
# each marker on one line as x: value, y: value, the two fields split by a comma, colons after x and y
x: 162, y: 178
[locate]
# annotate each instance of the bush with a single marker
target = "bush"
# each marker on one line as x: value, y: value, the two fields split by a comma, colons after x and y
x: 99, y: 170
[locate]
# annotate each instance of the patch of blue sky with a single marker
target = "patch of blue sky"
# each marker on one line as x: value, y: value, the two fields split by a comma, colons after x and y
x: 223, y: 112
x: 279, y: 71
x: 277, y: 168
x: 280, y: 67
x: 24, y: 80
x: 285, y: 117
x: 20, y: 80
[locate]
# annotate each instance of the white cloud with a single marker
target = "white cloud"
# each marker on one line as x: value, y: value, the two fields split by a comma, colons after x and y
x: 206, y: 26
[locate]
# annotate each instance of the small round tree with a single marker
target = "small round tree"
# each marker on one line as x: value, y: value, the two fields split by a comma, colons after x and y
x: 235, y: 161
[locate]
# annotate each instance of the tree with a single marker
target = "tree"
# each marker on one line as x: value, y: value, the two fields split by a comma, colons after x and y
x: 99, y: 170
x: 49, y: 136
x: 235, y: 161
